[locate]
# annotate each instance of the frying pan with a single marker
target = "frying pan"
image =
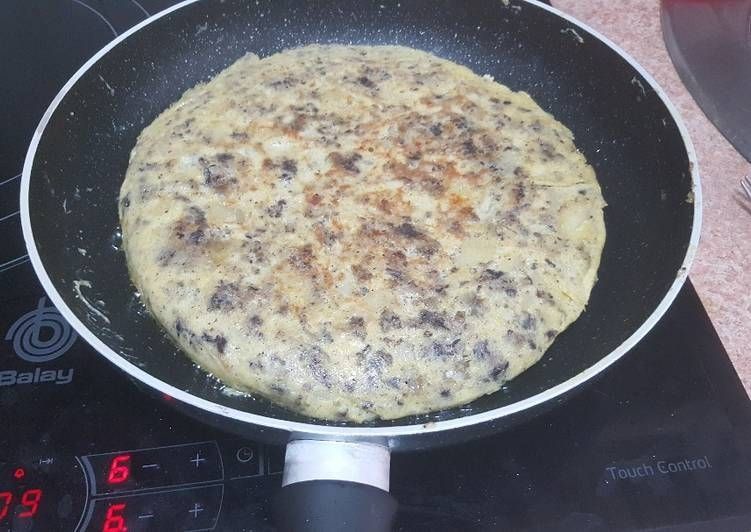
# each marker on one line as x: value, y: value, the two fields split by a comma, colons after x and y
x: 622, y: 122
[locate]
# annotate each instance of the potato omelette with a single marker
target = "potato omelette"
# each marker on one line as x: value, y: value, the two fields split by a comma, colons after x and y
x: 360, y: 232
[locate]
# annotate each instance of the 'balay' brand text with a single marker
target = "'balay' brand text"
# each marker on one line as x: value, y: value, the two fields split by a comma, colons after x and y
x: 11, y: 377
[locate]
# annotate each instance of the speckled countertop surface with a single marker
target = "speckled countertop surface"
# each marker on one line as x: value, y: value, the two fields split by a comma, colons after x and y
x: 722, y: 270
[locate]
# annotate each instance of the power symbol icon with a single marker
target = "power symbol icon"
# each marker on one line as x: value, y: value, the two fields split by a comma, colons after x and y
x: 244, y: 454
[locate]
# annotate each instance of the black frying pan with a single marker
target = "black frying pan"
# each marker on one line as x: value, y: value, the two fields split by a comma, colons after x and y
x: 621, y: 120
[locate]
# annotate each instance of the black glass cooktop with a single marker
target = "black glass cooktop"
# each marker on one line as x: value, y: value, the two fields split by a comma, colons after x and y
x: 661, y: 441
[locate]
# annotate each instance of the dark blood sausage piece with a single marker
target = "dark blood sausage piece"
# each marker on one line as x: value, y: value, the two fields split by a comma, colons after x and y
x: 197, y: 215
x: 226, y: 296
x: 289, y: 170
x: 519, y: 172
x: 497, y: 280
x: 286, y: 168
x: 469, y: 147
x: 381, y: 359
x: 374, y: 363
x: 528, y: 322
x: 481, y: 350
x: 193, y: 225
x: 275, y: 210
x: 197, y: 237
x: 219, y: 341
x: 357, y: 326
x: 408, y: 230
x: 435, y: 319
x: 491, y: 275
x: 499, y: 371
x: 346, y: 162
x: 313, y: 357
x: 444, y: 350
x: 217, y: 176
x: 286, y: 82
x: 395, y: 274
x: 366, y: 82
x: 389, y: 321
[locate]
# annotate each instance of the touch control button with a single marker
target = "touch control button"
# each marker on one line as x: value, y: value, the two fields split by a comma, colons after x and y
x: 245, y: 454
x: 190, y: 509
x: 242, y: 459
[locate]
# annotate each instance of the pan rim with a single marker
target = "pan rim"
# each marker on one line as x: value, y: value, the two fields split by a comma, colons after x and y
x: 311, y: 430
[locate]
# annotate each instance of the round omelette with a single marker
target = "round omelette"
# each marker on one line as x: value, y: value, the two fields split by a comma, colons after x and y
x: 360, y: 232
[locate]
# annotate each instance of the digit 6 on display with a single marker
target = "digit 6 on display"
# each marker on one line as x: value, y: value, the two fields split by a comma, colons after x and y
x: 114, y: 520
x: 119, y: 469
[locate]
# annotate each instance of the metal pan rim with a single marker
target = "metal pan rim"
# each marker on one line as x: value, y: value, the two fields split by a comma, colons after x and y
x: 390, y: 433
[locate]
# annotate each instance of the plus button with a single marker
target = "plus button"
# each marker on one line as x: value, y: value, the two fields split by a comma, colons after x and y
x: 198, y: 459
x: 197, y: 509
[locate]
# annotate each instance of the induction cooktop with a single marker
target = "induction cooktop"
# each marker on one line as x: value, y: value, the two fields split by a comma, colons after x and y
x: 661, y: 441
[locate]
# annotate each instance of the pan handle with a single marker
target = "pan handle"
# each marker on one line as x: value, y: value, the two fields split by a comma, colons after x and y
x: 333, y: 486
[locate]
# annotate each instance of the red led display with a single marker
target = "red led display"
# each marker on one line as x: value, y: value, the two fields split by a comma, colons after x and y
x: 30, y: 500
x: 19, y: 473
x: 114, y: 520
x: 119, y: 469
x: 5, y: 498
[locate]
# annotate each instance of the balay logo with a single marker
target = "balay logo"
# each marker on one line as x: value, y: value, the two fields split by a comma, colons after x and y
x: 39, y: 336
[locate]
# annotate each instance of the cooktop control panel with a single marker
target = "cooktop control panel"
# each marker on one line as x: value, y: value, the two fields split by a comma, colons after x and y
x: 173, y: 487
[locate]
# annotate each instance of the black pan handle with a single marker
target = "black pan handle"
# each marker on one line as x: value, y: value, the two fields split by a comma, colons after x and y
x: 333, y: 506
x: 335, y: 486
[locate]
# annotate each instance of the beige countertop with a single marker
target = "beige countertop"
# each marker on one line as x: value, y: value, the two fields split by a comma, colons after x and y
x: 722, y: 270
